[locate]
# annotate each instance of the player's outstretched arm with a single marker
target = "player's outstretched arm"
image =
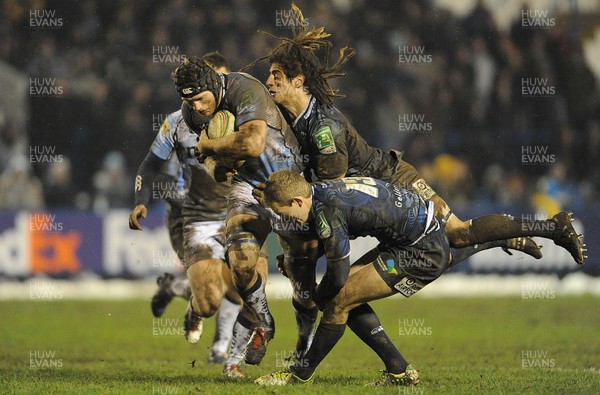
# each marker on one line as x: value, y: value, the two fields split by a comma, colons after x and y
x: 147, y: 173
x: 248, y: 142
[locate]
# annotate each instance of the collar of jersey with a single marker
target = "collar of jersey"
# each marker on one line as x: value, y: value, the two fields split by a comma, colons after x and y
x: 307, y: 110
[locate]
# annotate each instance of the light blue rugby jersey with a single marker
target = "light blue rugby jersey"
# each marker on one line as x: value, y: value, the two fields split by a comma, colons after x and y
x: 206, y: 199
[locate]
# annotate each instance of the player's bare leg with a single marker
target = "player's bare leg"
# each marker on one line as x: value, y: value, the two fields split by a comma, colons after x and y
x: 206, y: 283
x: 363, y: 285
x: 246, y: 234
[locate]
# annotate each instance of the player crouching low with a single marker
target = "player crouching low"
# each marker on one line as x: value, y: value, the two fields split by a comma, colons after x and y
x: 413, y: 252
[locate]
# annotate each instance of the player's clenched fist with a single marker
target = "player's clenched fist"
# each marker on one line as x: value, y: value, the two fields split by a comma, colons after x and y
x: 139, y: 211
x: 258, y: 192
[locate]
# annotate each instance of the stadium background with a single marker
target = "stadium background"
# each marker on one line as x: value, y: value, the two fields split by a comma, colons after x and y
x: 497, y: 104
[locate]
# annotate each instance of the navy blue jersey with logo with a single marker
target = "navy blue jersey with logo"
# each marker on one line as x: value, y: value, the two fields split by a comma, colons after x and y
x: 333, y: 147
x: 360, y: 206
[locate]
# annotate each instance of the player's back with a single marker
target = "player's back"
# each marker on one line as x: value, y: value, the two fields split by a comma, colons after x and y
x: 334, y: 146
x: 248, y: 99
x: 370, y: 207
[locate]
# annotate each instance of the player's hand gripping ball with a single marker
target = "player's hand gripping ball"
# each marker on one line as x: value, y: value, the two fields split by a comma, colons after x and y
x: 222, y: 124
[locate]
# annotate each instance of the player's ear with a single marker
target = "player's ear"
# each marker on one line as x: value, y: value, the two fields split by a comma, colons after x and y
x: 299, y: 80
x: 298, y: 200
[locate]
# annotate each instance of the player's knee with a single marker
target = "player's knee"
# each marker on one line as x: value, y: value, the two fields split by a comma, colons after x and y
x: 335, y: 312
x: 244, y: 277
x: 459, y: 232
x: 243, y: 252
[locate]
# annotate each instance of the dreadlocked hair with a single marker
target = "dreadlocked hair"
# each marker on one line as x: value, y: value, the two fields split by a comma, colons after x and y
x: 298, y: 55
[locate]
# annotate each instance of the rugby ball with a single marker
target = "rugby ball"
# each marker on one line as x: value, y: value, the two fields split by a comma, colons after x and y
x: 222, y: 124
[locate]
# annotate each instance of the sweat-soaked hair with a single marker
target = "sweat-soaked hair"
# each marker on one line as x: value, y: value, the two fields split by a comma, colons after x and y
x: 298, y: 55
x: 283, y: 185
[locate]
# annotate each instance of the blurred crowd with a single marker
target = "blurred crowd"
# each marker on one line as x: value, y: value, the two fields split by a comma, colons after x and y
x: 458, y: 111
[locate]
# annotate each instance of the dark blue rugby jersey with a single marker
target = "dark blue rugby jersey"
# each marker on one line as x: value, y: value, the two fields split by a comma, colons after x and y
x: 360, y: 206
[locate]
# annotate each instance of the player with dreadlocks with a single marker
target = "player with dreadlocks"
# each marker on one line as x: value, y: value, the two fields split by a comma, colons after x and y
x: 300, y: 84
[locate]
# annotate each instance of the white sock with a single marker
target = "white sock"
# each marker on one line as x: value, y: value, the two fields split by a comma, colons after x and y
x: 241, y: 337
x: 181, y: 287
x: 226, y: 318
x: 256, y: 300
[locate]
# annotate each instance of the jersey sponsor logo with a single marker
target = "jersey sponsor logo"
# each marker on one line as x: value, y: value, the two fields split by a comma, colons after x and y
x: 138, y: 183
x: 323, y: 228
x: 423, y: 189
x: 390, y: 266
x: 187, y: 91
x: 408, y: 286
x: 325, y: 142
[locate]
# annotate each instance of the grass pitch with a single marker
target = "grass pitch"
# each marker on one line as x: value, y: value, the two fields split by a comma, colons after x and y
x: 459, y: 345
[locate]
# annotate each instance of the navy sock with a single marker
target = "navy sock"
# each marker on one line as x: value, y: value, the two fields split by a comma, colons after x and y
x: 363, y: 321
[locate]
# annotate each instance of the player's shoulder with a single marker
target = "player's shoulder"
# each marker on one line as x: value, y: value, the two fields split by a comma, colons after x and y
x: 244, y: 91
x: 243, y: 80
x: 175, y: 116
x: 171, y: 122
x: 328, y: 123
